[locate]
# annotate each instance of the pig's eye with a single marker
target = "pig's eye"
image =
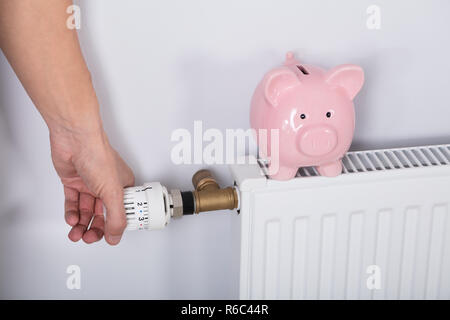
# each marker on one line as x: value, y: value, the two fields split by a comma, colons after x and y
x: 328, y: 114
x: 303, y: 116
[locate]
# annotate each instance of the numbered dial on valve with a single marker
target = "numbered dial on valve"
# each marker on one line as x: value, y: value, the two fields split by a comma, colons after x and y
x: 136, y: 208
x: 147, y: 207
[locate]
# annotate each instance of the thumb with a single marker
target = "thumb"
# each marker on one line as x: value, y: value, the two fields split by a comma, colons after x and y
x: 116, y: 220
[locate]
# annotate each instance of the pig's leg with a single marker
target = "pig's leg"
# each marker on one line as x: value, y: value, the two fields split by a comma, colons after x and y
x: 283, y: 173
x: 331, y: 169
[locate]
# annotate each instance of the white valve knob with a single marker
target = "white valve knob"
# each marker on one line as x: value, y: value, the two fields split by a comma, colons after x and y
x: 151, y: 207
x: 147, y: 207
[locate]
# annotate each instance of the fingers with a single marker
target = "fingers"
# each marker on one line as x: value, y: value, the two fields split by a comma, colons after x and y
x: 116, y: 221
x: 71, y: 212
x: 106, y: 174
x: 86, y: 209
x: 95, y: 232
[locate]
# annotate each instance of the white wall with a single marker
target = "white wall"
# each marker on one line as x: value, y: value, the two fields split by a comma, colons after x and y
x: 160, y: 65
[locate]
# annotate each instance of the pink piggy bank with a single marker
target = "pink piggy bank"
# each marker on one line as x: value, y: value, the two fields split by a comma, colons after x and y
x: 313, y: 113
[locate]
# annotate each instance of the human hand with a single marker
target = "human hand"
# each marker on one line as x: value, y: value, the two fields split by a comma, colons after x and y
x: 93, y: 174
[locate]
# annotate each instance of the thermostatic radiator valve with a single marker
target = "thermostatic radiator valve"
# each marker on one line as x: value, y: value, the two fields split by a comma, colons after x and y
x: 151, y: 206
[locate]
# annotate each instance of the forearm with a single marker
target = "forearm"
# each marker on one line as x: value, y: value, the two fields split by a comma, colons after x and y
x: 47, y: 58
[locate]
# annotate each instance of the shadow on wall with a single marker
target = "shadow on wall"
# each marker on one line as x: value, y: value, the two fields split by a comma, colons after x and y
x: 13, y: 163
x: 8, y: 217
x: 14, y: 171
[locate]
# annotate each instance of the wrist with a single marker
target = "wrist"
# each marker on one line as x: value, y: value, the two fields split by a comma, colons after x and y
x: 75, y: 118
x: 76, y: 135
x: 71, y: 105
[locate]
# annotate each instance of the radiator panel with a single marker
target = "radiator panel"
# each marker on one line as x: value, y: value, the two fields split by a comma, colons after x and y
x: 315, y: 237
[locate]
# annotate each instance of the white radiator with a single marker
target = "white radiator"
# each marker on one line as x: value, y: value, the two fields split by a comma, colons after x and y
x: 315, y: 237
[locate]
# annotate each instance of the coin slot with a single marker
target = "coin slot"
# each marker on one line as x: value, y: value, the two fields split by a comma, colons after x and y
x: 303, y: 70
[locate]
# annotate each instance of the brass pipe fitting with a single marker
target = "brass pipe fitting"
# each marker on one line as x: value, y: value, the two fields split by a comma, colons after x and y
x: 203, y: 180
x: 209, y: 196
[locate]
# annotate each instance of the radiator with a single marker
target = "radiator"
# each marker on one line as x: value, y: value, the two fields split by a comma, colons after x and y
x: 322, y: 238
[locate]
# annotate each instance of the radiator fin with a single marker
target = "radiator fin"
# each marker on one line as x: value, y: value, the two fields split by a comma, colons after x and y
x: 408, y: 255
x: 272, y: 260
x: 355, y: 254
x: 327, y: 257
x: 434, y: 272
x: 388, y: 159
x: 383, y: 249
x: 300, y: 247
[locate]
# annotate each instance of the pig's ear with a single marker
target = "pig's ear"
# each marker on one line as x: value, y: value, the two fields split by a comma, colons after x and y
x: 277, y: 82
x: 348, y: 76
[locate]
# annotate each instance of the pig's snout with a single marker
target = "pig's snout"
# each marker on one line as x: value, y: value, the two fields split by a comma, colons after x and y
x: 318, y: 141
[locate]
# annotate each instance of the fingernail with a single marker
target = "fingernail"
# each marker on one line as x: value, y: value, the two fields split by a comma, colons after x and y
x: 114, y: 239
